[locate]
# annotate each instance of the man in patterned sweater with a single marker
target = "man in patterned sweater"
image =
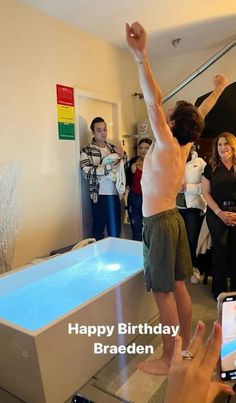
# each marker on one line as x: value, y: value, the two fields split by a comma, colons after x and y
x: 105, y: 199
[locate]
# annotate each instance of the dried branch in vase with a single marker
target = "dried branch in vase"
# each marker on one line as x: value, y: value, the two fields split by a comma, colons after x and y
x: 9, y: 212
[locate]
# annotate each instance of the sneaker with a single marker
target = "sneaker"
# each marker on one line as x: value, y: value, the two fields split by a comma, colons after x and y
x: 195, y: 279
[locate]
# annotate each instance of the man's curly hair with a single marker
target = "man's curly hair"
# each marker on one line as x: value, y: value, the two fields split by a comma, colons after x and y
x: 188, y: 123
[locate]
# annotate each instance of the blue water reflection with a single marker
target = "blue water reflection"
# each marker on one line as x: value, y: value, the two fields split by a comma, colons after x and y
x: 37, y: 304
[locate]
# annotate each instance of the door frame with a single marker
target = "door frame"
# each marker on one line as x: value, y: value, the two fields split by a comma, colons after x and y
x: 116, y: 112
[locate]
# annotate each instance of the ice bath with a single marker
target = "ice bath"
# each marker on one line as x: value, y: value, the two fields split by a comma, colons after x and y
x: 98, y: 286
x: 46, y: 299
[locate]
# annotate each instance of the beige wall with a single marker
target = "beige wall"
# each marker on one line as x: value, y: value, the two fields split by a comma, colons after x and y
x: 170, y: 72
x: 37, y: 52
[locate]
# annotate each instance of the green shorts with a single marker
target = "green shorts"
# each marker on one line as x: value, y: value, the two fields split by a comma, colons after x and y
x: 165, y: 250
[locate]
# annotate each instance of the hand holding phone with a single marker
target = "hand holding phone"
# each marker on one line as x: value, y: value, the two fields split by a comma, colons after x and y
x: 227, y: 316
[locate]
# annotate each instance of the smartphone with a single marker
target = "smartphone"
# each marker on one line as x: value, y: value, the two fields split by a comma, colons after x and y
x: 80, y: 399
x: 227, y: 313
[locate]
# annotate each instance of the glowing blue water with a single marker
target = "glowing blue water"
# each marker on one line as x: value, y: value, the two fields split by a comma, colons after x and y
x: 37, y: 304
x: 228, y: 348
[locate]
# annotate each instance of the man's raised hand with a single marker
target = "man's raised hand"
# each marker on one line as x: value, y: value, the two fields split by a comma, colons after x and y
x: 136, y: 38
x: 220, y: 80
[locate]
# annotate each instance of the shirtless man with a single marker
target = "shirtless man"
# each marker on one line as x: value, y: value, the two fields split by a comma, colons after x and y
x: 167, y: 261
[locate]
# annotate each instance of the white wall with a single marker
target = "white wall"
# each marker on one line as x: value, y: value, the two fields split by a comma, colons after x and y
x: 37, y: 52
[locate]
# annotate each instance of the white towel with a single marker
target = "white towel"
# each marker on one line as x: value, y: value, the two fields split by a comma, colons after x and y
x: 117, y: 173
x: 120, y: 177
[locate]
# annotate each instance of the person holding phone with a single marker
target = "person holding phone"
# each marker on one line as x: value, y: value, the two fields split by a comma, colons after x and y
x: 190, y: 375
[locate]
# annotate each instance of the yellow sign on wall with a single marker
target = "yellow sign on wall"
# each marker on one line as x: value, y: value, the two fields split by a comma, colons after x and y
x: 65, y: 114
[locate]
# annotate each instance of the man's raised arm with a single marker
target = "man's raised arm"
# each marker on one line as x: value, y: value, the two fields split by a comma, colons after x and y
x: 220, y: 82
x: 137, y: 40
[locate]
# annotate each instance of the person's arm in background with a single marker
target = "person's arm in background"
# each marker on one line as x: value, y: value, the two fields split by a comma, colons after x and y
x: 227, y: 217
x: 220, y: 82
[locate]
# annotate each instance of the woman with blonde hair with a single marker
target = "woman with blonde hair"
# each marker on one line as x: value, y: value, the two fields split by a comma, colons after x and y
x: 219, y: 191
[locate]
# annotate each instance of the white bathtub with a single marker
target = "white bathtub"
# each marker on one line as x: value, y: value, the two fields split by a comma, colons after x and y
x: 100, y: 284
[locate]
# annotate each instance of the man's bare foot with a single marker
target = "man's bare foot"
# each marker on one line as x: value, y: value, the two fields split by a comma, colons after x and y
x: 155, y: 367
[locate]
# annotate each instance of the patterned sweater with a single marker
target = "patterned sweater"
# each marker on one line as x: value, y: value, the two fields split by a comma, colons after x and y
x: 92, y: 168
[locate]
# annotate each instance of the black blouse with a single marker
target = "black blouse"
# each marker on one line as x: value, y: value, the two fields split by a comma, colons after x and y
x: 222, y: 183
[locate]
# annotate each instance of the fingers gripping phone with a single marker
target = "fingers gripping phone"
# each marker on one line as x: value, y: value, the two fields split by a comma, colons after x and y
x: 227, y: 315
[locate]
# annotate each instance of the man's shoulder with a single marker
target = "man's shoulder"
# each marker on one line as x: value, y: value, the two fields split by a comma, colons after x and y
x: 159, y: 151
x: 91, y: 149
x: 185, y: 150
x: 89, y: 146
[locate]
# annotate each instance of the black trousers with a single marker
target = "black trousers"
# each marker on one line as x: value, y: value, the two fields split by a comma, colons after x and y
x: 193, y: 222
x: 135, y: 202
x: 224, y: 253
x: 106, y: 214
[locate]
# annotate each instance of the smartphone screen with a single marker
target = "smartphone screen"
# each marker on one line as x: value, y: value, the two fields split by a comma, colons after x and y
x: 228, y: 348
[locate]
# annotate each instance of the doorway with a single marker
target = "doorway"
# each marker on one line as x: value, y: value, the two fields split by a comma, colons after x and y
x: 88, y: 106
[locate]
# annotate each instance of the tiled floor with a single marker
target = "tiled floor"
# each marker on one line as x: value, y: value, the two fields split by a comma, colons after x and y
x: 135, y: 386
x: 121, y: 381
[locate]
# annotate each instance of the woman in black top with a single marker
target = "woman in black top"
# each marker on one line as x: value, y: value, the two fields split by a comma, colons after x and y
x: 219, y: 191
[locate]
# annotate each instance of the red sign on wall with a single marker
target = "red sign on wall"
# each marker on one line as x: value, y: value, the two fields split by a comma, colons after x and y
x: 65, y: 95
